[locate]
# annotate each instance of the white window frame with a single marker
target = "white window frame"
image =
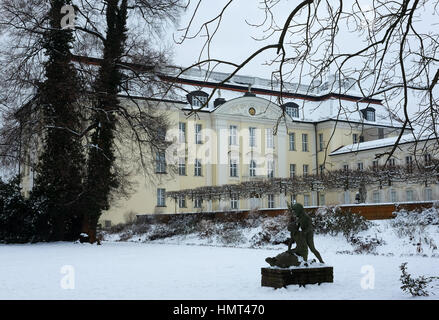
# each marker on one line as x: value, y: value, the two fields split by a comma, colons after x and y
x: 269, y: 138
x: 233, y: 131
x: 292, y: 141
x: 234, y: 202
x: 233, y: 165
x: 252, y: 137
x: 182, y: 202
x: 252, y: 168
x: 160, y: 162
x: 411, y: 193
x: 292, y: 170
x: 198, y: 202
x: 182, y: 166
x: 198, y: 137
x: 305, y: 170
x: 182, y: 132
x: 161, y: 200
x: 270, y: 168
x: 198, y: 168
x: 198, y: 101
x: 306, y: 199
x: 376, y: 196
x: 293, y: 112
x: 321, y: 142
x: 271, y: 201
x: 305, y: 142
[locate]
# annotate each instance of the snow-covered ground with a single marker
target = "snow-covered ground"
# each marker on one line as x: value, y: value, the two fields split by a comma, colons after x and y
x: 185, y: 268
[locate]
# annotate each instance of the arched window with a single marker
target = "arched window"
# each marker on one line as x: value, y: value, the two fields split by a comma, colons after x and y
x: 291, y: 109
x: 368, y: 114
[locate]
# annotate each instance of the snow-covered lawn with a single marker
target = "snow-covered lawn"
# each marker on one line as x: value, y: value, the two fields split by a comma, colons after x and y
x: 121, y: 270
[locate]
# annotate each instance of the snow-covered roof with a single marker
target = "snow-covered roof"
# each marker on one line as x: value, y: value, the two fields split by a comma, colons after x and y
x: 379, y: 143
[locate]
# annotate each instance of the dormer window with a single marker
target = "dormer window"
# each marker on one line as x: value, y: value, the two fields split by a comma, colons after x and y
x: 197, y: 99
x: 291, y: 109
x: 368, y: 114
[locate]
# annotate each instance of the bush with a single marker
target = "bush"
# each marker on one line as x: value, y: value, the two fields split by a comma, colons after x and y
x: 273, y: 231
x: 17, y: 223
x: 335, y: 220
x: 365, y: 245
x: 416, y: 287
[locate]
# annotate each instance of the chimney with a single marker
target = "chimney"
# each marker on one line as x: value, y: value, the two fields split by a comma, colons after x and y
x: 219, y: 101
x: 249, y: 93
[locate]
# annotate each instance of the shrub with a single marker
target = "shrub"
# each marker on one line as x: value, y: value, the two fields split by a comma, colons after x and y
x: 416, y: 287
x: 335, y: 220
x: 365, y: 245
x: 17, y: 223
x: 273, y: 231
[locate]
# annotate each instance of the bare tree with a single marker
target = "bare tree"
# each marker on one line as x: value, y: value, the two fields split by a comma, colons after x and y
x: 393, y: 54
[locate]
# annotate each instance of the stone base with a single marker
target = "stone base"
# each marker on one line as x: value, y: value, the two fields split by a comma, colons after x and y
x: 280, y: 278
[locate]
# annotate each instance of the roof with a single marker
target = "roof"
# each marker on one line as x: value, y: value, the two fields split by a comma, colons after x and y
x: 379, y: 143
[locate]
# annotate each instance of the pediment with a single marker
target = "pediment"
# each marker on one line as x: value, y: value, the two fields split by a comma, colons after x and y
x: 243, y: 106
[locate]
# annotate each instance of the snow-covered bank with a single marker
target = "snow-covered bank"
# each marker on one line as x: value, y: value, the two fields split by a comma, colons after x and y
x: 162, y: 271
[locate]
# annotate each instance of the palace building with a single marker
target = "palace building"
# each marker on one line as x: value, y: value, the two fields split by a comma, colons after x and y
x: 245, y: 134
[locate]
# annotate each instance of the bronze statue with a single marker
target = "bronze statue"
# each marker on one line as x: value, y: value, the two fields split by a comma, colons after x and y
x: 301, y: 233
x: 305, y: 223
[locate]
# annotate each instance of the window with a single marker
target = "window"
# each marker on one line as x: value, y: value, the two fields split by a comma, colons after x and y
x: 292, y: 111
x: 197, y: 168
x: 292, y: 170
x: 234, y: 202
x: 409, y: 163
x: 198, y: 202
x: 428, y: 194
x: 182, y: 132
x: 107, y: 223
x: 409, y: 195
x: 360, y: 166
x: 393, y: 196
x: 305, y: 169
x: 369, y: 114
x: 304, y: 142
x: 198, y: 101
x: 380, y: 133
x: 182, y: 202
x: 355, y: 138
x: 233, y: 168
x: 252, y: 141
x: 347, y: 198
x: 392, y: 162
x: 346, y: 167
x: 292, y: 141
x: 361, y: 139
x: 252, y: 168
x: 198, y: 128
x: 322, y: 169
x: 233, y: 141
x: 160, y: 162
x: 293, y: 198
x: 322, y: 199
x: 271, y: 201
x: 306, y: 200
x: 269, y: 138
x: 376, y: 197
x: 321, y: 142
x: 427, y: 159
x: 270, y: 168
x: 182, y: 166
x: 161, y: 197
x: 375, y: 165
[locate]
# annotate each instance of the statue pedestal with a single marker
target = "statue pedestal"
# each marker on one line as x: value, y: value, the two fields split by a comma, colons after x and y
x: 282, y: 277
